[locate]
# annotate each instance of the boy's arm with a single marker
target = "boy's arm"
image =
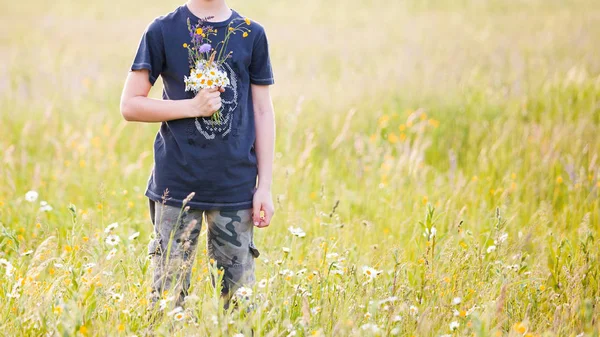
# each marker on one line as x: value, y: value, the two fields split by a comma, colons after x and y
x: 137, y: 106
x: 264, y: 121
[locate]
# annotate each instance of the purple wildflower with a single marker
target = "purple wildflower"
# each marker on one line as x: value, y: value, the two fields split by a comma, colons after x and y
x: 205, y: 48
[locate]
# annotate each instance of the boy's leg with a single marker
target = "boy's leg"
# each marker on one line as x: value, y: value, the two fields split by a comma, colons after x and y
x: 230, y: 243
x: 173, y: 250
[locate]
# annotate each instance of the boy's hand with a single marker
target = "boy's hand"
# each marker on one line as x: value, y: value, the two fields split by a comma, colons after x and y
x: 262, y: 201
x: 206, y: 102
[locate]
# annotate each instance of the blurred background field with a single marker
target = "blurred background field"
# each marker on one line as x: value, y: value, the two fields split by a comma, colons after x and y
x: 480, y: 119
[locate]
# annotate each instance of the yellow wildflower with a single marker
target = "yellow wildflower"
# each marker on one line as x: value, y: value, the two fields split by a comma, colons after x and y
x: 519, y: 328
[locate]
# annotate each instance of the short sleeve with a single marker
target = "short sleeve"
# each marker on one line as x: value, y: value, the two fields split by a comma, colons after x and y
x: 260, y: 65
x: 150, y: 53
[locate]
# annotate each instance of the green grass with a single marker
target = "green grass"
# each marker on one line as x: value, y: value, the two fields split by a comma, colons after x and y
x: 479, y: 118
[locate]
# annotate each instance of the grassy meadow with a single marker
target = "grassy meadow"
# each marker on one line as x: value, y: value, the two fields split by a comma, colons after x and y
x: 442, y: 158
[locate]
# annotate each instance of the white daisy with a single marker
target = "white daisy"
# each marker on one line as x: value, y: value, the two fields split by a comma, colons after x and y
x: 491, y: 249
x: 113, y: 240
x: 371, y: 273
x: 413, y: 310
x: 262, y: 283
x: 117, y: 297
x: 297, y: 231
x: 111, y: 254
x: 175, y: 311
x: 454, y: 325
x: 286, y: 250
x: 44, y: 207
x: 134, y: 236
x: 111, y: 227
x: 243, y: 293
x: 31, y: 196
x: 456, y: 300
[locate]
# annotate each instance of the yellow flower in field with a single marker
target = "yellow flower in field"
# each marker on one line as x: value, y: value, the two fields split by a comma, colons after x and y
x: 520, y: 328
x: 392, y: 138
x: 559, y: 180
x: 185, y: 45
x: 402, y: 136
x: 121, y: 327
x: 425, y: 199
x: 57, y: 310
x: 383, y: 120
x: 83, y: 330
x: 433, y: 122
x: 247, y: 21
x: 402, y: 127
x: 199, y: 31
x: 245, y: 34
x: 542, y: 287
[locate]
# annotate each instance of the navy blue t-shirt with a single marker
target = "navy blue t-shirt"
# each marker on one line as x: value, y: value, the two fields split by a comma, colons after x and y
x: 216, y: 160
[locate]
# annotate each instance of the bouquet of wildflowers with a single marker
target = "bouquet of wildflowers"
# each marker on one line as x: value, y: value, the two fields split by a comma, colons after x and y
x: 206, y: 61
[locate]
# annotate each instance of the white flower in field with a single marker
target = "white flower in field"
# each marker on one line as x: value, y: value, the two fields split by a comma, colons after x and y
x: 31, y: 196
x: 239, y: 335
x: 370, y: 272
x: 243, y: 292
x: 292, y: 333
x: 113, y: 240
x: 395, y: 331
x: 371, y: 327
x: 286, y: 272
x: 29, y: 252
x: 337, y: 272
x: 286, y: 250
x: 279, y: 262
x: 111, y: 227
x: 454, y: 325
x: 396, y: 318
x: 134, y: 236
x: 297, y: 231
x: 117, y: 297
x: 503, y: 237
x: 456, y: 300
x: 315, y: 310
x: 332, y: 256
x: 430, y: 233
x: 9, y: 269
x: 111, y: 254
x: 455, y: 312
x: 162, y: 304
x: 413, y: 310
x: 174, y: 311
x: 262, y: 283
x: 301, y: 272
x: 446, y: 335
x: 44, y: 207
x: 214, y: 319
x: 491, y: 249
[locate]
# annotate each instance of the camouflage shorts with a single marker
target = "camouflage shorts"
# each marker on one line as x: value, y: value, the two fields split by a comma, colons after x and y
x: 229, y: 243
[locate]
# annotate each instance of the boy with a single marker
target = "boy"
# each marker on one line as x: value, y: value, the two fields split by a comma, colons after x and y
x: 202, y: 166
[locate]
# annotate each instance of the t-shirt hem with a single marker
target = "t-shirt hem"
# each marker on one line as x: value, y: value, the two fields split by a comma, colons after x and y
x: 265, y: 81
x: 199, y: 204
x: 143, y: 65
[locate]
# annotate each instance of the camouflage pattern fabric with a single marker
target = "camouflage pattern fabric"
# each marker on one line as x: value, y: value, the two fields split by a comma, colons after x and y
x: 173, y: 249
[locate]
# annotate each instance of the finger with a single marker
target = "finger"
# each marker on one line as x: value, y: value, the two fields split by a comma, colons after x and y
x: 266, y: 220
x: 256, y: 213
x: 221, y: 89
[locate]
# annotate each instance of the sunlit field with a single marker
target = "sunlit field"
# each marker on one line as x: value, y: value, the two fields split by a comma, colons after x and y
x: 437, y: 172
